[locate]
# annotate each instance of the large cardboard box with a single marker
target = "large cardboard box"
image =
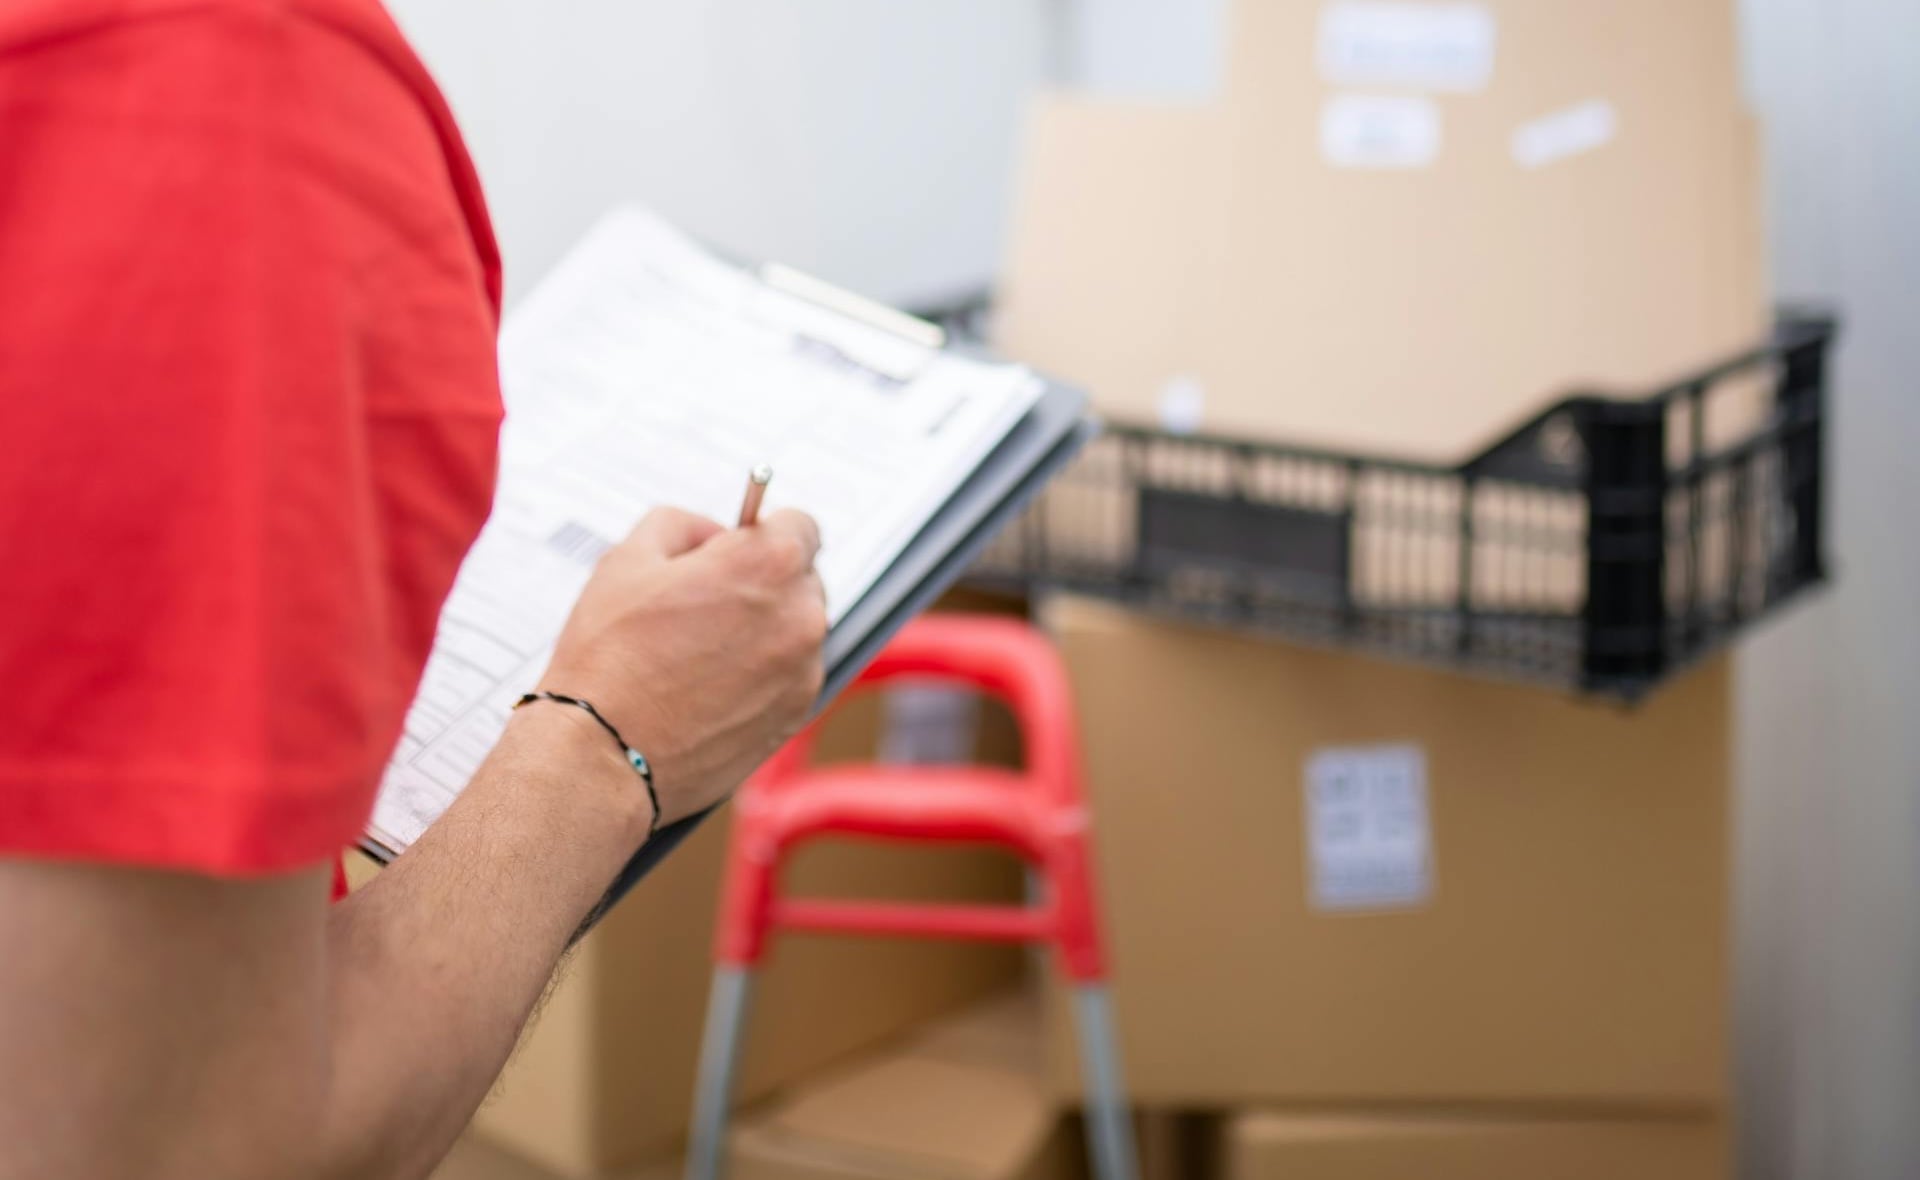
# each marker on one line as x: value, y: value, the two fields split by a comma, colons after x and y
x: 1397, y: 234
x: 1271, y: 1146
x: 964, y: 1102
x: 1328, y: 878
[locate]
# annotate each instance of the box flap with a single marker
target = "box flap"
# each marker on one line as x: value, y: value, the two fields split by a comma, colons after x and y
x: 912, y: 1117
x: 1002, y: 1033
x: 961, y: 1101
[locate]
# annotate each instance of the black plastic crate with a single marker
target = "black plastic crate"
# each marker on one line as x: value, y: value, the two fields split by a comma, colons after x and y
x: 1601, y: 546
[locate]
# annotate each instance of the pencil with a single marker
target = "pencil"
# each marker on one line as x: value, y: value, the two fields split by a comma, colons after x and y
x: 757, y: 481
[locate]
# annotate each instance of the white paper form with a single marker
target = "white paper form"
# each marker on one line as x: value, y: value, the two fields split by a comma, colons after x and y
x: 643, y: 372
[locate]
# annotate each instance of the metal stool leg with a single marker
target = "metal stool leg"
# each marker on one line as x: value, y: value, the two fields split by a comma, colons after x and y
x: 719, y: 1058
x: 1109, y: 1121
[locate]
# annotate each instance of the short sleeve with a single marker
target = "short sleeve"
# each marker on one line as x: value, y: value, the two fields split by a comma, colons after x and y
x: 212, y: 615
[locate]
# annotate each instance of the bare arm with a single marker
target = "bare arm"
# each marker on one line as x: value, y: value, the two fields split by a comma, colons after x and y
x: 168, y: 1025
x: 160, y: 1025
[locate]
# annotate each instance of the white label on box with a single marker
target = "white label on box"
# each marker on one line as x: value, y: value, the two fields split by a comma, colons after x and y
x: 1386, y: 131
x: 927, y: 725
x: 1571, y: 132
x: 1369, y: 845
x: 1424, y: 46
x: 1183, y: 405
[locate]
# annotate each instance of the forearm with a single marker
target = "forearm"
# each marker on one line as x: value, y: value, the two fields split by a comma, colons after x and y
x: 173, y: 1025
x: 436, y: 965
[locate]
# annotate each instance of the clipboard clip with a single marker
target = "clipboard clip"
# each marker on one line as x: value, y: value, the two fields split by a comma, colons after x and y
x: 910, y: 341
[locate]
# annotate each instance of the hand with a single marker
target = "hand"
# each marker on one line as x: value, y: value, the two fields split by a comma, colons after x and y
x: 702, y: 645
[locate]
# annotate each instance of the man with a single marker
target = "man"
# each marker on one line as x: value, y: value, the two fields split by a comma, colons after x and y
x: 248, y: 409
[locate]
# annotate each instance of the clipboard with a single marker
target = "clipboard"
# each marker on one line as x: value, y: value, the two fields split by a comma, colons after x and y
x: 1035, y: 449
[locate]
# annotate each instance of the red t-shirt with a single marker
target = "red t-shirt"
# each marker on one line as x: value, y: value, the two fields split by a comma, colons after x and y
x: 248, y: 420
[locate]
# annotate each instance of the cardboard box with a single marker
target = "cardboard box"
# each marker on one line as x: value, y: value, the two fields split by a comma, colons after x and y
x: 964, y: 1102
x: 473, y: 1158
x: 1582, y: 215
x: 1328, y: 878
x: 1264, y: 1146
x: 1109, y: 270
x: 1212, y: 269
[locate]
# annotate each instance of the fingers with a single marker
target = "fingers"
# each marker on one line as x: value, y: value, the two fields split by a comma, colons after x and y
x: 796, y: 534
x: 671, y: 532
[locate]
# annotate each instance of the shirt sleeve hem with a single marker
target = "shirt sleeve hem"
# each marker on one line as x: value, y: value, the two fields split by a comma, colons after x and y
x: 230, y: 824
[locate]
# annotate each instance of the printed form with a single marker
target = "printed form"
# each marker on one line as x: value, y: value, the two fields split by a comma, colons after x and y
x: 643, y: 372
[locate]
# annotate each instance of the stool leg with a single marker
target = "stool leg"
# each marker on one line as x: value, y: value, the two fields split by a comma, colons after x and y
x: 1109, y: 1120
x: 719, y: 1057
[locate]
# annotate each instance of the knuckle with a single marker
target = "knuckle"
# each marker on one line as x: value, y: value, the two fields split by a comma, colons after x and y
x: 654, y: 518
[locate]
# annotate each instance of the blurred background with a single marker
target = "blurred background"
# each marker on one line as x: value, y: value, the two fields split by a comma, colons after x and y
x: 888, y: 147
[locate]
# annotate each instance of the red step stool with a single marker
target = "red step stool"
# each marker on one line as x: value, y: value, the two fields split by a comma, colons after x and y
x: 1038, y: 812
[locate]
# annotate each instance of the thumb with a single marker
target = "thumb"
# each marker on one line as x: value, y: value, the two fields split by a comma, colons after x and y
x: 801, y: 531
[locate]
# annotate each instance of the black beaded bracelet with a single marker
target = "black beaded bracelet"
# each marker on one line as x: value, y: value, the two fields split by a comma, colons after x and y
x: 634, y: 758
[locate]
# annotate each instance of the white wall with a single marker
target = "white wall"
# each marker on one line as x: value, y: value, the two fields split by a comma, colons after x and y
x: 1149, y: 49
x: 868, y: 141
x: 1830, y: 711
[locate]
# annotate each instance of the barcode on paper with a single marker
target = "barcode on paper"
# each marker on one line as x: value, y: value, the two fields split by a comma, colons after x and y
x: 578, y: 543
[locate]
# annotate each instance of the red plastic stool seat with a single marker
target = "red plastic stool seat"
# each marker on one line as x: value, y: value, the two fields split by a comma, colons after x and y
x: 1037, y: 812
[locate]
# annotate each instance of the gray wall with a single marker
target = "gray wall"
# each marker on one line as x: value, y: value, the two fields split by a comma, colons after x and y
x: 1830, y: 830
x: 868, y: 141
